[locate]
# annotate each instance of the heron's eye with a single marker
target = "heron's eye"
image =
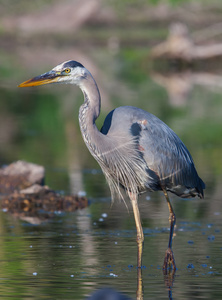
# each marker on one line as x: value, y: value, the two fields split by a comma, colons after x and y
x: 67, y: 70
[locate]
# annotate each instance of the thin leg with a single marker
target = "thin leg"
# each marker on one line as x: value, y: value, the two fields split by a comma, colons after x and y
x: 169, y: 260
x: 139, y: 229
x: 140, y: 240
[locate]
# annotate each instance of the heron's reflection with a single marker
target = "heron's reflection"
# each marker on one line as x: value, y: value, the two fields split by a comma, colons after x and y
x: 111, y: 294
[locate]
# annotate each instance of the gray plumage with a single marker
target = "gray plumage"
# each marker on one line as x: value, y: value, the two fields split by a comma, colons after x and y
x: 161, y: 154
x: 135, y: 149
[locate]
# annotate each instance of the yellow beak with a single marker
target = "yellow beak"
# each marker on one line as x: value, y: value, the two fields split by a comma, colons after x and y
x: 45, y: 78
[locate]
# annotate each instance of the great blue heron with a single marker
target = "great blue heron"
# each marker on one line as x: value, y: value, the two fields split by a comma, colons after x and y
x: 135, y: 149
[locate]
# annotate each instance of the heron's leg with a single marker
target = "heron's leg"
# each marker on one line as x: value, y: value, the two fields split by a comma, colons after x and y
x: 140, y: 240
x: 169, y: 257
x: 139, y: 229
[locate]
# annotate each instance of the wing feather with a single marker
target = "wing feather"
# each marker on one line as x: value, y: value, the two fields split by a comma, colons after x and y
x: 163, y: 155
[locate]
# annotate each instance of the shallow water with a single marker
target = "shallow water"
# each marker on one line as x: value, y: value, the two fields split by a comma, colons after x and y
x: 73, y: 254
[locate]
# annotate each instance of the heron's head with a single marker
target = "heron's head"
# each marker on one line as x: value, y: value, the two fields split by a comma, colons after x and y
x: 68, y: 72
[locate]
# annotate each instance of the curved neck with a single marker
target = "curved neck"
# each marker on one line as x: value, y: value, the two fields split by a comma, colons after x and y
x: 89, y: 112
x: 91, y: 96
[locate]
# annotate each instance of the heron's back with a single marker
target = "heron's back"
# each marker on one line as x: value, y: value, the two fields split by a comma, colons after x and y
x: 168, y: 162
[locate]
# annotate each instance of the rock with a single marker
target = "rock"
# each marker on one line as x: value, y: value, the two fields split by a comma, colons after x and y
x: 20, y: 175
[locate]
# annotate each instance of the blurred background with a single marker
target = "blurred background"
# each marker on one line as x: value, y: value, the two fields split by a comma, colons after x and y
x: 162, y: 56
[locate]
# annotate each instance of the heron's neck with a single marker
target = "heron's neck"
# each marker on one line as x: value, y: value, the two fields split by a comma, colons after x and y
x: 89, y: 112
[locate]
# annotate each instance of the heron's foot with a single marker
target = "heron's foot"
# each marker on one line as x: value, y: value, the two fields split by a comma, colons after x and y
x: 169, y: 264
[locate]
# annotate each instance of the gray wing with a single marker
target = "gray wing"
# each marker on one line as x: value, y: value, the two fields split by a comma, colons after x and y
x: 164, y: 153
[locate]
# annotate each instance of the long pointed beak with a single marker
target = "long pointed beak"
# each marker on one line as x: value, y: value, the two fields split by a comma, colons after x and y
x: 49, y: 77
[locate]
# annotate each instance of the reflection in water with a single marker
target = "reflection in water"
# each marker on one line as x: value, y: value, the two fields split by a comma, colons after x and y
x: 111, y: 294
x: 88, y: 245
x: 168, y: 275
x: 180, y: 84
x: 89, y: 256
x: 169, y: 280
x: 185, y: 63
x: 72, y: 245
x: 107, y: 294
x: 139, y: 292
